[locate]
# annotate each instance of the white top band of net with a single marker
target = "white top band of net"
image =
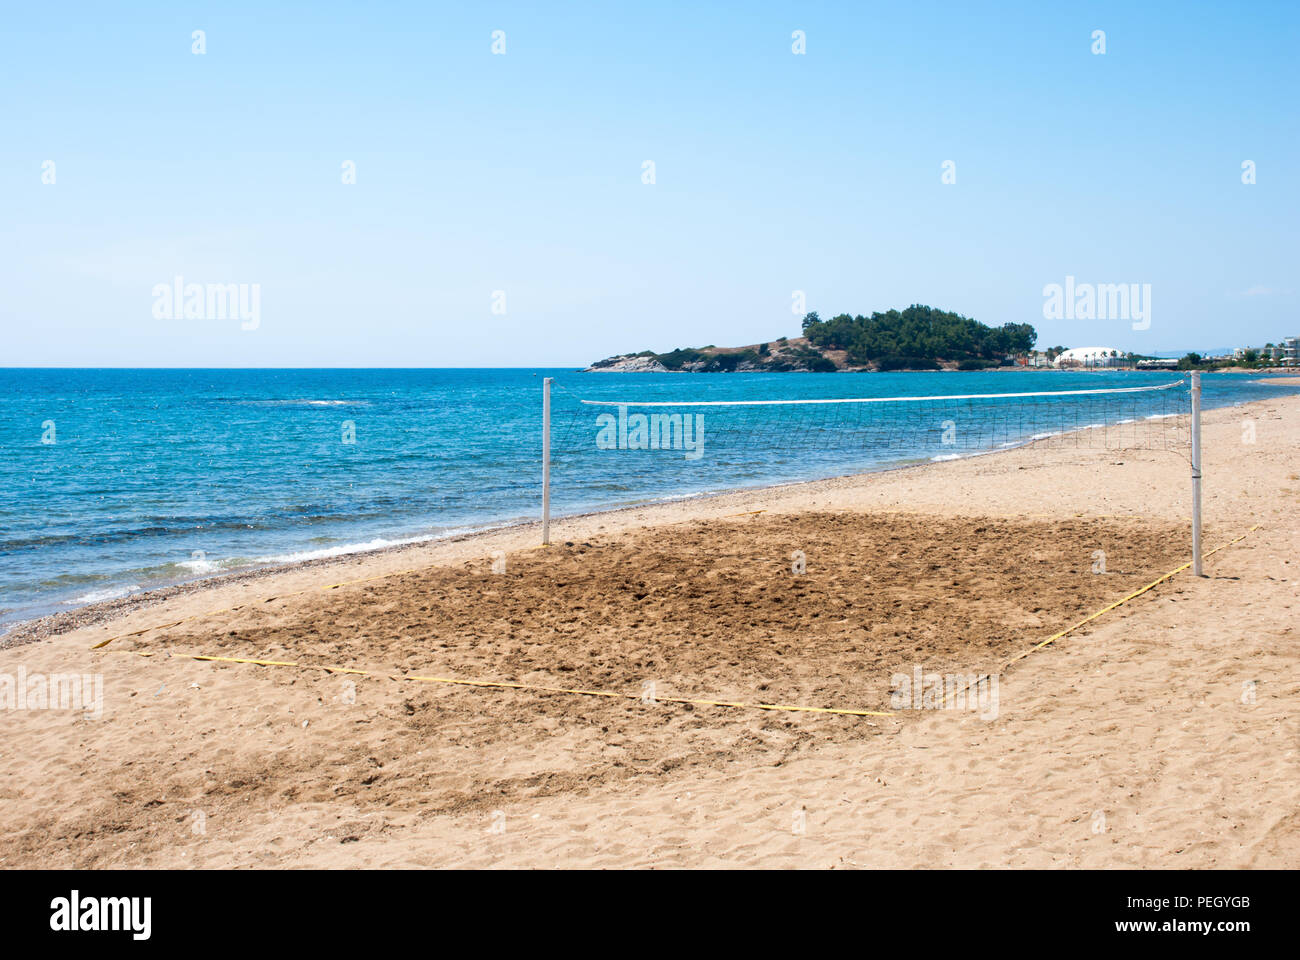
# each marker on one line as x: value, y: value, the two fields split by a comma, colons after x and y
x: 956, y: 396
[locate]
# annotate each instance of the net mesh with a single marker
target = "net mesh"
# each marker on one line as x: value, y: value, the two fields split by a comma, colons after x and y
x: 666, y: 447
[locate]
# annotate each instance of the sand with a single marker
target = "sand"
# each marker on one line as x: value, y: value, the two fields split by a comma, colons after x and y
x: 1163, y: 734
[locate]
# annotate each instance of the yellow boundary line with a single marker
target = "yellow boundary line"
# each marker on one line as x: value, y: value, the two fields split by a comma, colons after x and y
x: 1104, y: 610
x: 511, y: 685
x: 609, y: 694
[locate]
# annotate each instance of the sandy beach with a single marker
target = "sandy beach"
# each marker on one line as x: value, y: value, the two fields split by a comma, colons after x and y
x: 1164, y: 733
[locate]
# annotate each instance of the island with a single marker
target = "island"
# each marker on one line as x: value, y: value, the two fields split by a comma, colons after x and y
x: 916, y: 338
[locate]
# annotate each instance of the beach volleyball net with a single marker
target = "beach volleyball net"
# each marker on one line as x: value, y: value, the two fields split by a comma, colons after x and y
x: 633, y: 449
x: 923, y: 427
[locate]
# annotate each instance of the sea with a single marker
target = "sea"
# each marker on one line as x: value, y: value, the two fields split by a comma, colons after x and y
x: 114, y: 481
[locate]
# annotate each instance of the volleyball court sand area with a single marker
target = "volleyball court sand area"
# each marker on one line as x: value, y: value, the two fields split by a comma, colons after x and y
x: 401, y: 772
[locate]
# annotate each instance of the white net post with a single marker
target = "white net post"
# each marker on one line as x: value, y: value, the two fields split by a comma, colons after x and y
x: 546, y: 462
x: 1196, y: 473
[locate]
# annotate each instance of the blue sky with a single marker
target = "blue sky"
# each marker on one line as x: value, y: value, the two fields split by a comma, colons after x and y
x: 522, y: 172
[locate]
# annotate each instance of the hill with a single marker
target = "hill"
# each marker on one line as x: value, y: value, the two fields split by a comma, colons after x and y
x: 917, y: 338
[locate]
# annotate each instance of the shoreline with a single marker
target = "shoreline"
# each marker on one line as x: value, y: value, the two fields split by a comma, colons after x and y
x: 34, y: 629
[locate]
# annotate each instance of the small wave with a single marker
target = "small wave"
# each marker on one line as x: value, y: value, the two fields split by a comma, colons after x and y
x: 109, y: 593
x: 201, y: 566
x: 379, y: 543
x: 301, y: 402
x: 945, y: 456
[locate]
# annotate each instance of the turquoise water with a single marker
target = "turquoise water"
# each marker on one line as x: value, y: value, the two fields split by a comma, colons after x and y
x: 113, y: 481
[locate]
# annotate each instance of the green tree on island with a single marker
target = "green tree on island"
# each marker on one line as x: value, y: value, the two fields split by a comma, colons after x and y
x: 919, y: 333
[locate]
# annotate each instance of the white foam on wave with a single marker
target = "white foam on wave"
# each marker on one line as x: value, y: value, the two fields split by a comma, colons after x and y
x: 199, y: 567
x: 302, y: 402
x: 98, y: 596
x: 343, y: 549
x: 945, y: 456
